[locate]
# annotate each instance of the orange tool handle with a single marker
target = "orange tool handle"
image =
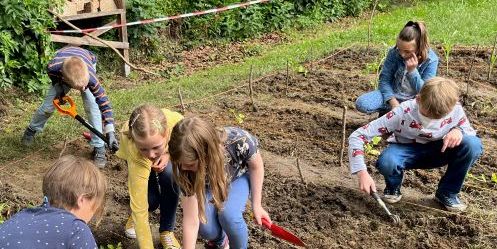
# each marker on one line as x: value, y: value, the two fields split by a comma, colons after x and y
x: 71, y: 110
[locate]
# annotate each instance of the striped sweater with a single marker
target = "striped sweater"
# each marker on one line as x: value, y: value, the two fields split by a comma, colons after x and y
x: 405, y: 125
x: 55, y: 73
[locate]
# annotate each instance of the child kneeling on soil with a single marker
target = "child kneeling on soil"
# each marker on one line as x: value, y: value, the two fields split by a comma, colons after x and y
x: 75, y: 68
x: 216, y: 169
x: 144, y: 141
x: 71, y: 200
x: 406, y: 68
x: 427, y: 132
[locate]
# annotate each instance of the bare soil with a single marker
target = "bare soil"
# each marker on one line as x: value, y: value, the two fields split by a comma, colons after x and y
x: 301, y: 118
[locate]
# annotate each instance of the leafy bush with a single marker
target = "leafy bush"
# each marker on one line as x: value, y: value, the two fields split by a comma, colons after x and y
x: 242, y: 23
x: 25, y: 43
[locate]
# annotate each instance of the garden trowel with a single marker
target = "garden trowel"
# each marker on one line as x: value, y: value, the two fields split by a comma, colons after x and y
x: 281, y: 233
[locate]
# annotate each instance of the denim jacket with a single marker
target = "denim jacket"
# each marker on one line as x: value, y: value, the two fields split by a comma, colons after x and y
x: 394, y: 71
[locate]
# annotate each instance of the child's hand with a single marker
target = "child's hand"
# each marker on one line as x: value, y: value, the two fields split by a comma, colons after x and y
x: 260, y: 213
x: 452, y: 139
x: 393, y: 102
x: 113, y: 143
x: 160, y: 164
x: 412, y: 63
x: 366, y: 183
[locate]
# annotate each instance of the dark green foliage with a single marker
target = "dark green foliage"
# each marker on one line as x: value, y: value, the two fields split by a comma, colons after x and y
x: 243, y: 23
x: 25, y: 43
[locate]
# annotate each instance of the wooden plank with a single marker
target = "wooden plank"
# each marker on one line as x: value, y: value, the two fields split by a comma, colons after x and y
x: 123, y: 37
x: 93, y: 15
x: 87, y: 41
x: 101, y: 31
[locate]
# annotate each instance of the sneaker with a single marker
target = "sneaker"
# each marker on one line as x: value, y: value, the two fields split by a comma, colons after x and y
x: 130, y: 228
x: 99, y: 157
x: 169, y: 241
x: 392, y: 195
x: 29, y: 137
x: 451, y: 202
x: 212, y: 245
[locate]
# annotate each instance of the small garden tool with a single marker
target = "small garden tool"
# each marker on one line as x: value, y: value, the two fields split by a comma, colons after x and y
x: 395, y: 218
x: 281, y: 233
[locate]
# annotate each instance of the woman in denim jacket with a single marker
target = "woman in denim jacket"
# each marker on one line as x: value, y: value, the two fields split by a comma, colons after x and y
x: 407, y: 66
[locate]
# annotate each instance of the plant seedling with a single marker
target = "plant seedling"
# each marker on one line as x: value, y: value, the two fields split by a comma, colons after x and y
x: 110, y: 246
x: 370, y: 148
x: 238, y: 116
x: 302, y: 70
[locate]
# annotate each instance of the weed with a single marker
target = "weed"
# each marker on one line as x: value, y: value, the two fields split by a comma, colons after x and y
x: 110, y: 246
x: 4, y: 209
x: 448, y: 45
x: 238, y: 116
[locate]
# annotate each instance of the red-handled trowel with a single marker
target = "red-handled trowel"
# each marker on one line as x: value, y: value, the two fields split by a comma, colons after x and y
x: 281, y: 233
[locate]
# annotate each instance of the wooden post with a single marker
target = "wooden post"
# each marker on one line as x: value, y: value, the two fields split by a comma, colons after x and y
x: 287, y: 77
x: 181, y: 101
x: 490, y: 65
x: 300, y: 172
x: 123, y: 36
x: 371, y: 25
x: 469, y: 75
x: 344, y: 126
x: 251, y: 90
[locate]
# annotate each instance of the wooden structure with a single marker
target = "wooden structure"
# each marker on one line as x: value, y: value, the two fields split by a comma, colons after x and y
x: 89, y: 9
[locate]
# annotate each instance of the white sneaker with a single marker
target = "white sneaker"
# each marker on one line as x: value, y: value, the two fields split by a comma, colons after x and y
x: 130, y: 229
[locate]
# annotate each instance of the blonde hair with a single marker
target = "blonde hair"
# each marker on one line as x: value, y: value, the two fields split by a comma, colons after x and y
x: 416, y: 31
x: 146, y: 120
x: 75, y: 72
x: 71, y: 177
x: 438, y: 97
x: 196, y: 140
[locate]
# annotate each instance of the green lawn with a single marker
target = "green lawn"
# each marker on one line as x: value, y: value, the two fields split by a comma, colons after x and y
x: 458, y: 22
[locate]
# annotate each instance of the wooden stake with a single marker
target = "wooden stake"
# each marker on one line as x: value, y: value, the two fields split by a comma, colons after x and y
x: 490, y: 62
x: 344, y: 126
x: 469, y: 75
x: 287, y: 77
x: 251, y: 90
x: 371, y: 25
x: 181, y: 100
x: 300, y: 172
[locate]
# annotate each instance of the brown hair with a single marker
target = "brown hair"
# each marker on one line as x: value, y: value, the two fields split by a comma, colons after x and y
x: 196, y: 140
x: 438, y: 97
x: 70, y: 177
x: 75, y: 72
x: 416, y: 31
x: 146, y: 120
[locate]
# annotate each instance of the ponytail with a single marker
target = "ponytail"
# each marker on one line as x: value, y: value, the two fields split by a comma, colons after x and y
x: 416, y: 30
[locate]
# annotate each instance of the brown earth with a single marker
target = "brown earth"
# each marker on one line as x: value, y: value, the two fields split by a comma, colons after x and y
x: 302, y: 118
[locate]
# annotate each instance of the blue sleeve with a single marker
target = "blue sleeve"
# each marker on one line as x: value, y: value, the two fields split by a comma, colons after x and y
x: 417, y: 80
x: 81, y: 236
x: 387, y: 76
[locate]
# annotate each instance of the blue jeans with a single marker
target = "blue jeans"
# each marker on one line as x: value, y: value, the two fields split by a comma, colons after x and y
x: 163, y: 193
x: 229, y: 221
x: 398, y: 157
x: 46, y: 110
x: 372, y: 102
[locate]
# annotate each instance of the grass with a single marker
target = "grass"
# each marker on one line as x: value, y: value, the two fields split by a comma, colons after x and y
x: 463, y: 22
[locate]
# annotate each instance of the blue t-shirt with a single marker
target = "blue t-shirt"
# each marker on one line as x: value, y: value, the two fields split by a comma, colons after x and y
x: 240, y: 147
x: 46, y: 227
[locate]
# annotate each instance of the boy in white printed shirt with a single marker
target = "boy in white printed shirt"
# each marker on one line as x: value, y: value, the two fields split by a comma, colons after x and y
x: 427, y: 132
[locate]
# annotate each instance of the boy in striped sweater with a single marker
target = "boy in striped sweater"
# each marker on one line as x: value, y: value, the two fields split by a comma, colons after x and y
x: 427, y: 132
x: 75, y: 68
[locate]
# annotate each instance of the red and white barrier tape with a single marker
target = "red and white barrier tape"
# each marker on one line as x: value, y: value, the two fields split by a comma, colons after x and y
x: 146, y: 21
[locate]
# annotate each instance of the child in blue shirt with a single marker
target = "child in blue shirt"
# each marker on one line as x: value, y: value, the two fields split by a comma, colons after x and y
x: 71, y: 200
x: 406, y: 68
